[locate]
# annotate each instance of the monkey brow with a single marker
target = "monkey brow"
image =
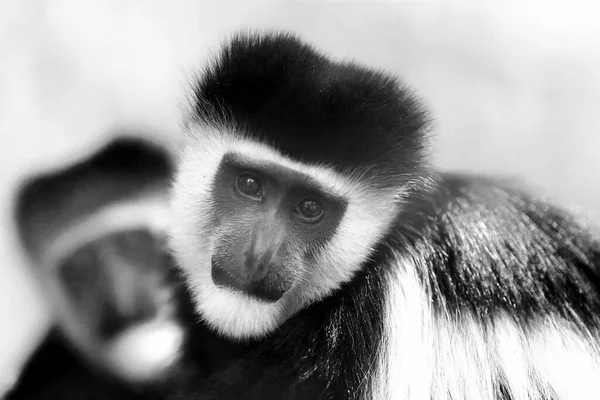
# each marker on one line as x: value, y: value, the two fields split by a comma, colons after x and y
x: 280, y: 172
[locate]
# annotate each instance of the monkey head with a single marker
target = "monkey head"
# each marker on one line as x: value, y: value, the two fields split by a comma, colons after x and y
x: 293, y: 168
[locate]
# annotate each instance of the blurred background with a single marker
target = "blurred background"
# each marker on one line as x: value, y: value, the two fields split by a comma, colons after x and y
x: 514, y: 87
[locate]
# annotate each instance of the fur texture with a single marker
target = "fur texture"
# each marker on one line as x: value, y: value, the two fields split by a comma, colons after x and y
x: 147, y: 212
x: 434, y: 287
x: 95, y: 234
x: 367, y: 218
x: 283, y: 93
x: 394, y: 332
x: 504, y: 298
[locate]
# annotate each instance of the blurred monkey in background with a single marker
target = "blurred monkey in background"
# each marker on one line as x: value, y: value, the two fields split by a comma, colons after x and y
x: 96, y: 234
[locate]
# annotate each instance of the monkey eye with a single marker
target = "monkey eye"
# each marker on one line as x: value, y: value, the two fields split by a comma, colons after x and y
x: 310, y: 210
x: 249, y: 185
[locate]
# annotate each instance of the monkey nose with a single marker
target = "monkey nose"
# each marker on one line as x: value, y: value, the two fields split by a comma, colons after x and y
x: 266, y: 292
x: 250, y: 284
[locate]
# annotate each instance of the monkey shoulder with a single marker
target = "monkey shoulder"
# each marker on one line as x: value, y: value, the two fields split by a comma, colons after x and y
x: 490, y: 246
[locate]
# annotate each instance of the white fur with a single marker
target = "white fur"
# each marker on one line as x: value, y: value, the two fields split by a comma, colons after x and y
x: 405, y: 359
x: 368, y: 216
x: 145, y: 351
x: 425, y: 357
x: 150, y: 212
x: 232, y: 313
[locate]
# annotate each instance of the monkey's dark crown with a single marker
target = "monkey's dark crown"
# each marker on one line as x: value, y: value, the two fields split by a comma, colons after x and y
x: 282, y: 92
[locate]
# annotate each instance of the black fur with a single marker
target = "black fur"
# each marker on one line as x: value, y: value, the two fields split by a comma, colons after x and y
x: 327, y: 351
x: 487, y: 247
x: 121, y: 170
x: 280, y: 91
x: 54, y: 372
x: 482, y: 248
x: 479, y: 245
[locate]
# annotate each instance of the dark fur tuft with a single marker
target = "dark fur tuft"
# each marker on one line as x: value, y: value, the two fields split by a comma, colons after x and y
x: 282, y: 92
x: 488, y: 248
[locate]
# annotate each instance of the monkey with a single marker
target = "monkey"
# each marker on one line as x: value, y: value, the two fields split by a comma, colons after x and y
x: 325, y: 258
x: 328, y: 259
x: 96, y: 234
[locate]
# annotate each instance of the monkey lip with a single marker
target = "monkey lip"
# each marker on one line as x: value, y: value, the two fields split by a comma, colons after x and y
x: 258, y: 290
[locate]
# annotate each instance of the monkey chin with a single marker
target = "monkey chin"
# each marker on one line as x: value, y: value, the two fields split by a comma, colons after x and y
x: 239, y: 316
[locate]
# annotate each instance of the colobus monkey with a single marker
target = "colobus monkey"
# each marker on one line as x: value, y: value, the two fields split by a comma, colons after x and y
x: 318, y: 243
x: 96, y: 233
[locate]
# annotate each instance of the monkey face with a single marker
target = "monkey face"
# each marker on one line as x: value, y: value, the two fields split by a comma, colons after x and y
x: 274, y: 114
x: 260, y: 236
x: 270, y: 223
x: 114, y: 292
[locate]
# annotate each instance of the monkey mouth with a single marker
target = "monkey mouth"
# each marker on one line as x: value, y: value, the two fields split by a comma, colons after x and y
x: 257, y: 289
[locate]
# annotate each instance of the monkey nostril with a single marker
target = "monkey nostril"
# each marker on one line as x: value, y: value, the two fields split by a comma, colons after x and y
x: 221, y: 277
x: 253, y: 283
x: 266, y: 292
x: 260, y: 271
